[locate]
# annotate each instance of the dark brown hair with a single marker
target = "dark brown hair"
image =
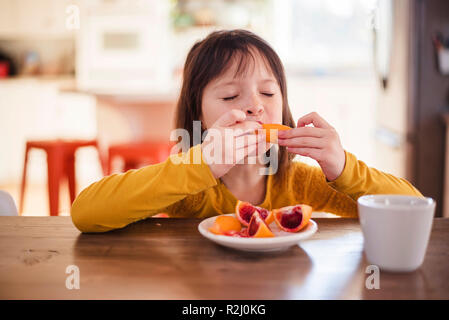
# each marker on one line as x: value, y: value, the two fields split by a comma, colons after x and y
x: 209, y: 58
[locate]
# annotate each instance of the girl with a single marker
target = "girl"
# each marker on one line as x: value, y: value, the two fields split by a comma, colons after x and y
x: 235, y: 80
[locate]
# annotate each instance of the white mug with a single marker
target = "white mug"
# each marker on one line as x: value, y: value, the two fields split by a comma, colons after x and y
x: 396, y: 230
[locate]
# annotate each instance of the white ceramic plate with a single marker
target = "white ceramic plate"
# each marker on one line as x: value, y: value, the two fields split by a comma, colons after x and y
x: 282, y: 240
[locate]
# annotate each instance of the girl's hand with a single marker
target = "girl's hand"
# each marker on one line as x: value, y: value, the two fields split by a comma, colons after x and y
x: 320, y: 142
x: 224, y: 148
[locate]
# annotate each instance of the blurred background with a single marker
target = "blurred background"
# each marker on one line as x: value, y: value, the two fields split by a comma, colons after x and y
x: 89, y: 88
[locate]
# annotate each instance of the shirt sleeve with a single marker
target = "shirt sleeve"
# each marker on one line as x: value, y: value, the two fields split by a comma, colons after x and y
x: 357, y: 179
x: 120, y: 199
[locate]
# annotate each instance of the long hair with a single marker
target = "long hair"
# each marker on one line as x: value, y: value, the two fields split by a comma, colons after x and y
x: 209, y: 58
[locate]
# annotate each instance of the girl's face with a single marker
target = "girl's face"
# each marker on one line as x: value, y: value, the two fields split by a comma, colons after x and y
x: 255, y: 91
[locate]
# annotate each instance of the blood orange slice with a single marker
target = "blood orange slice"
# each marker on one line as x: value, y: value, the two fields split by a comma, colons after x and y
x: 293, y: 218
x: 245, y: 210
x: 258, y: 228
x: 266, y: 215
x: 240, y: 234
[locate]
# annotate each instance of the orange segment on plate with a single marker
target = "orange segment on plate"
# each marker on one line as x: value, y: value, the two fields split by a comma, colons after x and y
x: 272, y: 127
x: 258, y: 228
x: 293, y: 218
x: 225, y: 224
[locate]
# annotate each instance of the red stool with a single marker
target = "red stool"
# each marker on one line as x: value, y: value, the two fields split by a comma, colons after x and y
x: 136, y: 154
x: 60, y: 163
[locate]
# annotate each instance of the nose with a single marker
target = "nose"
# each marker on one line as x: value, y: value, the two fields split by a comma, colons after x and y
x: 254, y: 110
x: 252, y: 105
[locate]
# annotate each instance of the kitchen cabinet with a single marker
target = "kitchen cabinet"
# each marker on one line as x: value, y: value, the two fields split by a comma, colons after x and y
x: 34, y: 19
x: 124, y: 48
x: 35, y: 108
x: 122, y: 119
x: 49, y: 108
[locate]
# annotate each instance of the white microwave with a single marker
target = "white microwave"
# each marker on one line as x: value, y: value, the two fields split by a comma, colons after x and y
x: 124, y: 49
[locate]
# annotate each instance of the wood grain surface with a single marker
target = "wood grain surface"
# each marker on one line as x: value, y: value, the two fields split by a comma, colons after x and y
x: 161, y: 258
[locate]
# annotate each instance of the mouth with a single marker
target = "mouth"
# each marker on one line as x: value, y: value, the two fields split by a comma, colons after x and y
x: 258, y: 121
x: 254, y: 118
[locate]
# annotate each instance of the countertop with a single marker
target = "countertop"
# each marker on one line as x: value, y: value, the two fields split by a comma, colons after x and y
x: 68, y: 84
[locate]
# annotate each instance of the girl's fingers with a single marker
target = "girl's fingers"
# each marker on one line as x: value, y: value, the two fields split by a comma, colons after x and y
x: 245, y: 127
x: 250, y: 139
x: 316, y: 154
x: 254, y: 146
x: 244, y: 132
x: 302, y: 132
x: 231, y: 117
x: 241, y: 154
x: 315, y: 119
x: 302, y: 142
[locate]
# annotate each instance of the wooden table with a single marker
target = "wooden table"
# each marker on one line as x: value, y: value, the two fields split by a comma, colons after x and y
x: 168, y: 259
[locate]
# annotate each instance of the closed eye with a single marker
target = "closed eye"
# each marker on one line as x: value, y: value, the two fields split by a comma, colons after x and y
x: 229, y: 98
x: 268, y: 94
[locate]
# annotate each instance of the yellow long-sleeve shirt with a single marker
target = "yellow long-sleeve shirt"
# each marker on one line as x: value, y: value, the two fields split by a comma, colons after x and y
x: 190, y: 190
